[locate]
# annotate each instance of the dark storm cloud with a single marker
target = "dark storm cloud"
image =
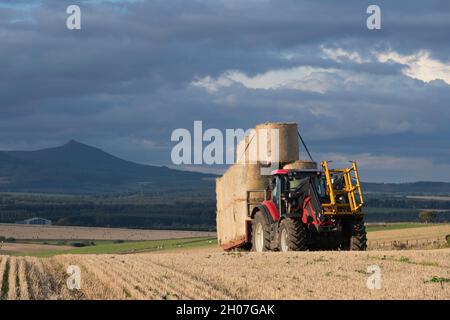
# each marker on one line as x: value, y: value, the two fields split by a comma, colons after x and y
x: 125, y: 81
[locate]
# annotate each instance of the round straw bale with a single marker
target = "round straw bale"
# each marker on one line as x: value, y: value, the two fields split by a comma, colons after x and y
x: 301, y: 164
x: 288, y: 148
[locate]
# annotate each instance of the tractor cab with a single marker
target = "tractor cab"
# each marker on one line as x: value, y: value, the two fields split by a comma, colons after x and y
x: 309, y: 208
x: 287, y: 184
x: 313, y: 194
x: 299, y: 193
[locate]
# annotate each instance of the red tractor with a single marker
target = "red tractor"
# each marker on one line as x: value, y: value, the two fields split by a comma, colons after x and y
x: 308, y: 210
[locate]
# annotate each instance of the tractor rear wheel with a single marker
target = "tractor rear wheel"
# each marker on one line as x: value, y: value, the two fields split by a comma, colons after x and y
x: 355, y: 238
x: 260, y: 233
x: 292, y: 235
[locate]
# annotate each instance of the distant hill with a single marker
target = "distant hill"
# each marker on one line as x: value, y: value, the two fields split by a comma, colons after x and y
x: 79, y: 168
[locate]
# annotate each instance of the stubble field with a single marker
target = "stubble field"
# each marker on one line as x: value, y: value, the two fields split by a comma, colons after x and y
x: 211, y: 274
x: 419, y: 233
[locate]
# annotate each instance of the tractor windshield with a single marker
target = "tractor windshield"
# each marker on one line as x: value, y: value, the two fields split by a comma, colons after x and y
x: 317, y: 179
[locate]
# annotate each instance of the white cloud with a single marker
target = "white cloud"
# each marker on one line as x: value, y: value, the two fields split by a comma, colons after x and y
x: 212, y: 85
x: 418, y: 66
x: 341, y: 55
x: 305, y: 78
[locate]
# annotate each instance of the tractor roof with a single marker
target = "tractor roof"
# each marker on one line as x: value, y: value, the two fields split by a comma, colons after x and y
x: 279, y: 171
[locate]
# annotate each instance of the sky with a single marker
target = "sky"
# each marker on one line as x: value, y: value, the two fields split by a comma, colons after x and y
x: 137, y: 70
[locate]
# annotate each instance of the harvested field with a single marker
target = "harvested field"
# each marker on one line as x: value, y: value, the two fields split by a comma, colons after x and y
x: 30, y: 232
x: 434, y: 231
x: 217, y: 275
x: 29, y: 248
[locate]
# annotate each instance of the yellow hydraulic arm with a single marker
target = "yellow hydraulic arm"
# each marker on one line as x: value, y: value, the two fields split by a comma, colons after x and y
x: 349, y: 199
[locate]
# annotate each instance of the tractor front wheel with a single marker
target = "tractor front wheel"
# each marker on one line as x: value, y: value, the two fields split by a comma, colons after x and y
x: 355, y: 238
x: 292, y: 235
x: 260, y: 233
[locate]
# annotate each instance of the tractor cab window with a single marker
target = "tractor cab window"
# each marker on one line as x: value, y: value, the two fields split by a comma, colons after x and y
x: 276, y: 190
x: 295, y: 180
x: 293, y: 183
x: 321, y: 185
x: 338, y: 181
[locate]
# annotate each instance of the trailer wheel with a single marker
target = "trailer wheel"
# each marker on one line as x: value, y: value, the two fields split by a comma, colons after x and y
x: 292, y: 235
x: 356, y: 236
x: 260, y: 233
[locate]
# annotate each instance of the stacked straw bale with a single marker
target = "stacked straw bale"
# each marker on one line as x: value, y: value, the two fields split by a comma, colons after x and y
x: 301, y: 164
x: 232, y: 187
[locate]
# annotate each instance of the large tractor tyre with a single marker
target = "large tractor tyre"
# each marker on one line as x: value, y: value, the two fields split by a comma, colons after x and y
x: 356, y: 236
x: 260, y: 233
x: 292, y: 235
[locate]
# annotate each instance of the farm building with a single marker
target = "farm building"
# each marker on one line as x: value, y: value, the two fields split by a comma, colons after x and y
x: 36, y: 220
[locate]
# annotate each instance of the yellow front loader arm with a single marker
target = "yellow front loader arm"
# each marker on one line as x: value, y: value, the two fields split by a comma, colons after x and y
x: 349, y: 199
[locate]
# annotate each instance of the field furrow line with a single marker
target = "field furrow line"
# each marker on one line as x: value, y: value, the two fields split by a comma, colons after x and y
x: 197, y: 286
x: 2, y: 268
x: 93, y: 284
x: 40, y: 283
x: 108, y: 274
x: 57, y: 276
x: 226, y: 278
x: 3, y: 277
x: 33, y: 281
x: 172, y: 285
x: 159, y: 285
x: 52, y: 289
x: 219, y: 289
x: 138, y: 277
x: 148, y: 277
x: 129, y: 289
x: 23, y: 281
x: 13, y: 290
